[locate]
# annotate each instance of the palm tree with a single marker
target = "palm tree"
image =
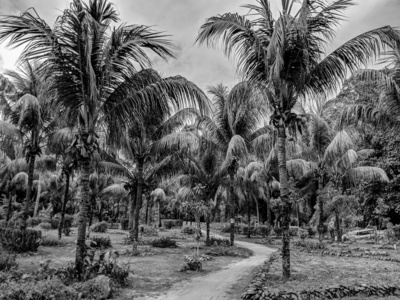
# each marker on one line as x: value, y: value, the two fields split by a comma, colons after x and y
x: 286, y: 56
x: 92, y: 65
x: 334, y: 159
x: 176, y: 101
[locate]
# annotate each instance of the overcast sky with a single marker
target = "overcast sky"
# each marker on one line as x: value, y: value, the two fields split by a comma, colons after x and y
x: 182, y: 20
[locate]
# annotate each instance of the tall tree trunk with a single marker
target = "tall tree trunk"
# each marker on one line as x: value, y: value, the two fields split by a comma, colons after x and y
x: 258, y: 213
x: 91, y: 209
x: 284, y: 195
x: 64, y: 205
x: 208, y: 231
x: 135, y: 230
x: 132, y: 205
x: 321, y: 209
x: 338, y: 231
x: 82, y: 215
x: 100, y: 214
x: 232, y: 209
x: 35, y: 211
x: 31, y: 168
x: 249, y: 221
x: 147, y: 211
x: 269, y: 217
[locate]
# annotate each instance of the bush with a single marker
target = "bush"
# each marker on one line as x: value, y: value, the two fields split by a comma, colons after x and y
x: 149, y: 231
x: 214, y: 241
x: 37, y: 290
x: 100, y: 242
x: 278, y: 231
x: 7, y: 261
x: 124, y: 224
x: 230, y: 251
x: 293, y: 231
x: 32, y: 222
x: 45, y: 226
x: 51, y: 241
x: 99, y: 227
x: 311, y: 232
x: 188, y: 230
x: 164, y: 242
x: 264, y: 230
x: 100, y: 287
x: 19, y: 241
x: 396, y: 231
x: 170, y: 223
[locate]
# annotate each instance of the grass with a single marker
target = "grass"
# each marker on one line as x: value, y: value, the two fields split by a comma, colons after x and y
x: 311, y: 272
x: 153, y: 275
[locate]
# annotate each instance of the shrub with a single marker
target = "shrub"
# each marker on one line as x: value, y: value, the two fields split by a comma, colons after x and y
x: 35, y: 290
x: 214, y: 241
x: 230, y: 251
x: 293, y: 231
x: 100, y: 242
x: 32, y: 222
x: 45, y: 226
x: 169, y: 223
x: 396, y: 231
x: 149, y: 231
x: 7, y: 261
x: 100, y: 287
x: 264, y: 230
x: 164, y: 242
x: 311, y: 232
x: 19, y: 241
x: 278, y: 231
x: 51, y: 241
x: 124, y: 224
x: 188, y: 230
x: 99, y: 227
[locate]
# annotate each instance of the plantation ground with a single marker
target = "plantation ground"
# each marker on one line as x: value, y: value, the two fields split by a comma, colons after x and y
x: 153, y: 275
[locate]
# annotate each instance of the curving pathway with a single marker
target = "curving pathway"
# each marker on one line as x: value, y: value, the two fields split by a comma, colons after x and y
x: 216, y: 285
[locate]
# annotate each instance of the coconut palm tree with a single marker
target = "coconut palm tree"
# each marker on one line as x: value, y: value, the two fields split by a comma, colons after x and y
x: 92, y: 65
x: 177, y: 100
x: 286, y: 55
x: 335, y: 159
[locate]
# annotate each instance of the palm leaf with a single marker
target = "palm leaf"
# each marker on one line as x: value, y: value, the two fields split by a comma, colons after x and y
x: 341, y: 143
x: 347, y: 161
x: 297, y: 168
x: 10, y: 130
x: 115, y: 190
x: 357, y: 175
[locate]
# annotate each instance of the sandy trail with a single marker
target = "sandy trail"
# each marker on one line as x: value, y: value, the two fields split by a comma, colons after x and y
x: 216, y: 285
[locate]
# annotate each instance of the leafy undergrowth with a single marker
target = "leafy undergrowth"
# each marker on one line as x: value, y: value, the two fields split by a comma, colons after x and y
x: 314, y: 272
x: 153, y: 274
x: 229, y: 251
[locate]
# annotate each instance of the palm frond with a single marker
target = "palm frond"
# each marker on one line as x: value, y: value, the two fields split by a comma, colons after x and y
x: 9, y: 130
x: 297, y: 168
x: 341, y: 143
x: 237, y: 147
x: 347, y: 161
x: 357, y: 175
x: 115, y: 190
x: 158, y: 194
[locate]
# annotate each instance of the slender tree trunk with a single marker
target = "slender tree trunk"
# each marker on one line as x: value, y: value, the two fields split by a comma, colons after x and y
x: 258, y: 213
x: 82, y: 215
x: 321, y: 209
x: 284, y: 195
x: 35, y: 211
x: 31, y: 168
x: 232, y: 209
x: 249, y: 221
x: 338, y: 231
x: 208, y: 231
x: 91, y: 210
x: 132, y: 205
x: 147, y: 211
x: 269, y: 217
x: 100, y: 214
x: 9, y: 209
x: 135, y: 230
x: 64, y: 205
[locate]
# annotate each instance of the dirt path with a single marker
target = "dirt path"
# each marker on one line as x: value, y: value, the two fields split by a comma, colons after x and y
x: 215, y: 286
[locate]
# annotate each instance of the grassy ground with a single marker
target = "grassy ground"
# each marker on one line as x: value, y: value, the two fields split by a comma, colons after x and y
x: 316, y: 272
x: 153, y: 275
